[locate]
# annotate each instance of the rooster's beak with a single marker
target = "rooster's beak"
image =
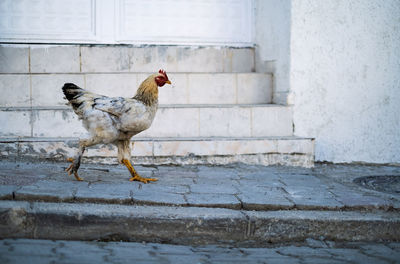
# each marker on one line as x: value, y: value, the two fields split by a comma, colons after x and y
x: 169, y: 82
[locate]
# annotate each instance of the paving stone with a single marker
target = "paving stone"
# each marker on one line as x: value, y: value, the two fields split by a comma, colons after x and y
x: 245, y: 186
x: 259, y: 176
x: 81, y: 252
x: 210, y: 187
x: 351, y: 255
x: 213, y: 200
x: 257, y: 187
x: 154, y: 197
x: 301, y: 180
x: 304, y: 197
x: 46, y: 251
x: 381, y: 251
x: 354, y: 198
x: 105, y: 192
x: 139, y: 188
x: 6, y: 191
x: 48, y: 190
x: 264, y: 199
x: 217, y: 172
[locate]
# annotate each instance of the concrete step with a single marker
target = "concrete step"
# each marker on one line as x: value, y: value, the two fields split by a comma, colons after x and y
x: 170, y: 121
x: 89, y: 59
x: 290, y: 151
x: 189, y: 225
x: 25, y: 90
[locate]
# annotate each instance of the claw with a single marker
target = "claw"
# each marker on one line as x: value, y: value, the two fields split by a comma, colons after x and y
x: 77, y: 177
x: 71, y: 170
x: 141, y: 179
x: 135, y: 175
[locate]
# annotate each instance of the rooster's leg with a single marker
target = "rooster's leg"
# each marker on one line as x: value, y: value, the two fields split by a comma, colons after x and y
x: 76, y: 162
x: 70, y: 170
x: 135, y: 175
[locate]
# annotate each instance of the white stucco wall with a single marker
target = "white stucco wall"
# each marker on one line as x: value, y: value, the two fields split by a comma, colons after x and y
x: 272, y: 38
x: 345, y: 77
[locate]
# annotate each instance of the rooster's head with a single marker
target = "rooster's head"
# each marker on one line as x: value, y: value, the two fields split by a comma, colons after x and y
x: 162, y: 78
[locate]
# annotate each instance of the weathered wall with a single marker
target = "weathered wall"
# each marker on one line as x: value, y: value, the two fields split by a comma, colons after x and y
x: 345, y: 76
x: 272, y: 38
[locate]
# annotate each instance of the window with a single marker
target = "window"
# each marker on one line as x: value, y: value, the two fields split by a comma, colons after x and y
x: 226, y: 22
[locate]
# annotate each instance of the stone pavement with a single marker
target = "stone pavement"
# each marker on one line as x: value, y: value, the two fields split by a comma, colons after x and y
x: 313, y: 251
x: 238, y: 186
x: 246, y: 212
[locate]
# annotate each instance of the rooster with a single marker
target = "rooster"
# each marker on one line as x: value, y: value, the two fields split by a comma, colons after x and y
x: 114, y: 119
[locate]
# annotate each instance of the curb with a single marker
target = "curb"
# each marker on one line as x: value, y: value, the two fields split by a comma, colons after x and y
x: 190, y: 225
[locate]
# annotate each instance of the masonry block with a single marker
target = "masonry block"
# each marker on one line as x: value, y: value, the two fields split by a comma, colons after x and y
x: 174, y: 122
x: 15, y: 123
x: 212, y: 88
x: 242, y: 60
x: 254, y: 88
x: 46, y: 88
x: 55, y: 59
x: 15, y: 90
x: 8, y: 149
x: 300, y: 146
x: 57, y: 123
x: 183, y: 148
x: 177, y: 92
x: 106, y: 59
x: 47, y: 150
x: 14, y: 59
x: 238, y: 147
x: 271, y: 121
x: 113, y: 85
x: 225, y: 122
x: 151, y: 59
x: 203, y: 59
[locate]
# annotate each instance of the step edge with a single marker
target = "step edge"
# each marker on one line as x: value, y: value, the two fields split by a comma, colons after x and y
x: 160, y: 139
x: 161, y: 106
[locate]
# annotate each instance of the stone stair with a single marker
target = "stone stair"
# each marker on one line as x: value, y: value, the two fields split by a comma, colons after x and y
x: 218, y: 109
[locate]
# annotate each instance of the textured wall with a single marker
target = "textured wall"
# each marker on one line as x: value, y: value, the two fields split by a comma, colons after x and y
x: 272, y: 19
x: 345, y: 76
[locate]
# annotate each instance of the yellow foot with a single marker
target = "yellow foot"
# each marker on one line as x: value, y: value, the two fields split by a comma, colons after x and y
x: 70, y: 170
x: 141, y: 179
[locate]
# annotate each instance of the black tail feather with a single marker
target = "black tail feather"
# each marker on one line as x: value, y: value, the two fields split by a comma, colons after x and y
x: 70, y: 91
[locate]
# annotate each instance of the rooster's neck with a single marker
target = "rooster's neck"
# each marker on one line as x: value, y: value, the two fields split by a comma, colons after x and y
x: 147, y: 92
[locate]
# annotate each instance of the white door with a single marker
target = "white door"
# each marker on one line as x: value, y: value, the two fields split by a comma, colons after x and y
x: 219, y: 22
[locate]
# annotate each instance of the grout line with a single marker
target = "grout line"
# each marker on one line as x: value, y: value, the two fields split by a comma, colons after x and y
x: 198, y: 121
x: 30, y: 92
x: 251, y: 122
x: 187, y: 89
x: 80, y: 59
x: 236, y: 88
x: 161, y: 106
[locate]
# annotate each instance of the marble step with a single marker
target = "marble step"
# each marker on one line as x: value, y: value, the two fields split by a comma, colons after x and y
x: 170, y: 121
x: 25, y: 90
x: 123, y: 58
x: 289, y: 151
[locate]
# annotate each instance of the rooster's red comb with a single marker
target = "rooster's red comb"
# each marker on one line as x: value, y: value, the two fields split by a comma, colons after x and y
x: 161, y: 71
